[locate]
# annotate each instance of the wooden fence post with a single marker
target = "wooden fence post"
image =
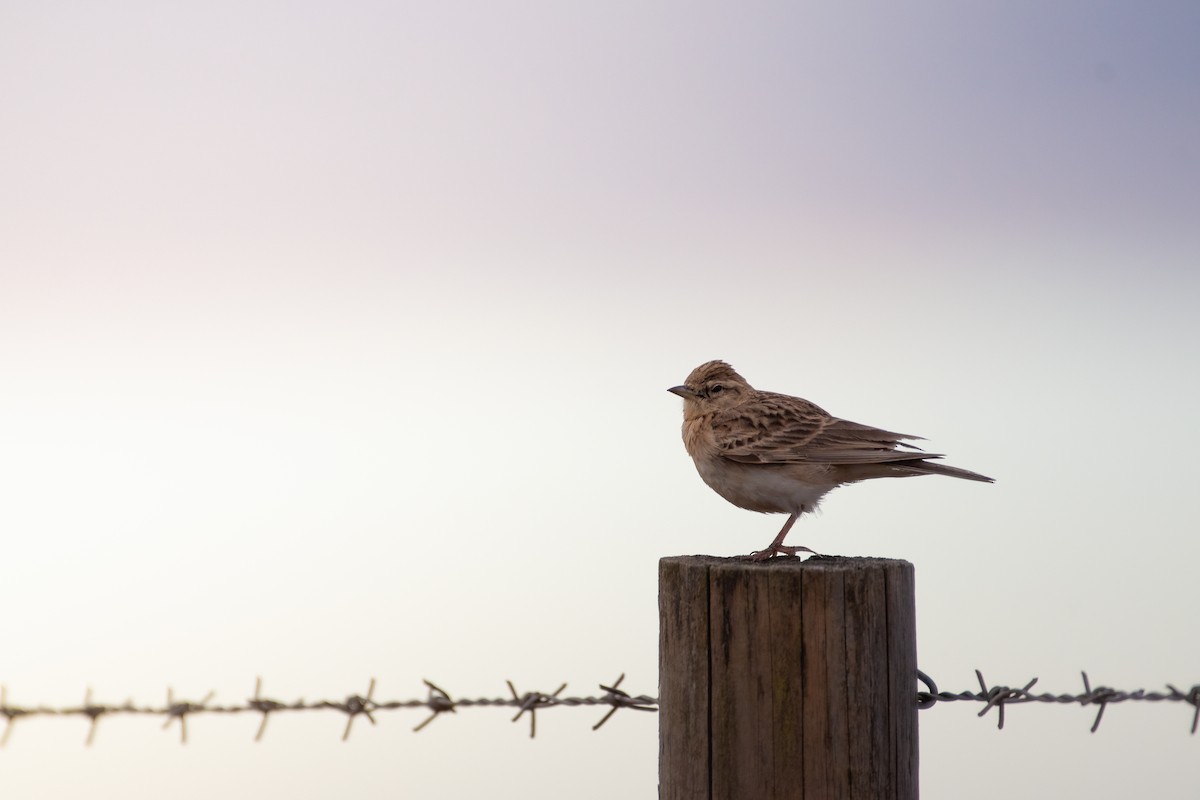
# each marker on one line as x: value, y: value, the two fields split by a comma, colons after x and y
x: 787, y: 679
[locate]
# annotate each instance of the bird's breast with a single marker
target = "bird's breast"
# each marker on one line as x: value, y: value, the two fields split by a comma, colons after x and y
x: 698, y: 436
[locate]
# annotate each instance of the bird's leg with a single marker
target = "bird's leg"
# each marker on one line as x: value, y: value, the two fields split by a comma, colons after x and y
x: 777, y: 547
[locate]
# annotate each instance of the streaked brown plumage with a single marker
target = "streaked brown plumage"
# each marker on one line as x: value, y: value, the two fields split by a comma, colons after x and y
x: 780, y: 454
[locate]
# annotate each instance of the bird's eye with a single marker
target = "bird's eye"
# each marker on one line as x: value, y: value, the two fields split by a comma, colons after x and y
x: 716, y: 389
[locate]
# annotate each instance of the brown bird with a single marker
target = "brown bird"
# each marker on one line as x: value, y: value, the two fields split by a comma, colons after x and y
x: 780, y: 454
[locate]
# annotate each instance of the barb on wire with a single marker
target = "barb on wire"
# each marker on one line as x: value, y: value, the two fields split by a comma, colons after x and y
x: 263, y: 706
x: 1100, y: 696
x: 999, y: 696
x: 1192, y: 696
x: 437, y: 701
x: 531, y: 702
x: 10, y: 713
x: 179, y: 711
x: 355, y: 705
x: 620, y: 699
x: 92, y: 712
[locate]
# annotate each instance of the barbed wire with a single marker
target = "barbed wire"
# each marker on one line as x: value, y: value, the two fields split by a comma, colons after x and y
x: 999, y: 696
x: 438, y: 702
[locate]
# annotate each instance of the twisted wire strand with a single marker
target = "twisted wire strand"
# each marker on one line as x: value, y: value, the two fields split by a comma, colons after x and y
x: 439, y: 702
x: 999, y: 696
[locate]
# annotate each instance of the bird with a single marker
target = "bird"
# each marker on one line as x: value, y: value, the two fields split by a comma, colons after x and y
x: 778, y: 454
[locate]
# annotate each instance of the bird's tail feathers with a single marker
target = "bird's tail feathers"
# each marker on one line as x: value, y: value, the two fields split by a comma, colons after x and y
x: 933, y: 468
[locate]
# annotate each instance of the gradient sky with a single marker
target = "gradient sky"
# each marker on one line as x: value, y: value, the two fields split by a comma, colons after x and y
x: 334, y: 340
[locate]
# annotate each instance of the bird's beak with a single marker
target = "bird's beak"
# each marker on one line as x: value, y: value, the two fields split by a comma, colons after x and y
x: 683, y: 392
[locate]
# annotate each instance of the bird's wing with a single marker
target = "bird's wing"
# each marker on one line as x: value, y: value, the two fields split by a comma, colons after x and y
x: 778, y: 429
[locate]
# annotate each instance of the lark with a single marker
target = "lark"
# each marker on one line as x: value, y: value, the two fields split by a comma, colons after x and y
x: 780, y: 454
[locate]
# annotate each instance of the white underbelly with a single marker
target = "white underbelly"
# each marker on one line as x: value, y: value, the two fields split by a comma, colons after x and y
x: 766, y: 488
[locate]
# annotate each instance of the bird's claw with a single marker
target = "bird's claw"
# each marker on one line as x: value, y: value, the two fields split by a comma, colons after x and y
x: 776, y: 550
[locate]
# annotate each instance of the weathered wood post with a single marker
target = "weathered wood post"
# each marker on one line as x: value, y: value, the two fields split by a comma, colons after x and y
x: 787, y: 679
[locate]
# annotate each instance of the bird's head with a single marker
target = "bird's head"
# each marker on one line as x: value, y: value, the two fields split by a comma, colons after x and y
x: 712, y: 386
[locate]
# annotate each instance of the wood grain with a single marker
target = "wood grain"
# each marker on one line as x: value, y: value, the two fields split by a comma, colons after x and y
x: 787, y: 679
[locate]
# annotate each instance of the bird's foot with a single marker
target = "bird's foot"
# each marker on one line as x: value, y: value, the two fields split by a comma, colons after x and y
x: 774, y: 550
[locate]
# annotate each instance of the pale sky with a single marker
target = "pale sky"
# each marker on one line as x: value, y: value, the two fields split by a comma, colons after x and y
x: 334, y: 340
